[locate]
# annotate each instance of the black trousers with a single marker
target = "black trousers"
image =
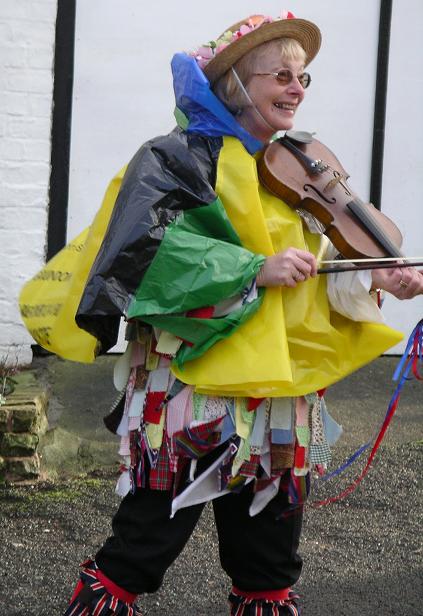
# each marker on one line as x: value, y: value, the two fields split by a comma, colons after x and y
x: 258, y: 553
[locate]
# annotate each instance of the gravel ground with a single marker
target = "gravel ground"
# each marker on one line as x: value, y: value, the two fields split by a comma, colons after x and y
x: 362, y: 556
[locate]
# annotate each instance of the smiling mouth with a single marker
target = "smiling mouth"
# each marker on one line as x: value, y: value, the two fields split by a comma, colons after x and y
x: 285, y: 106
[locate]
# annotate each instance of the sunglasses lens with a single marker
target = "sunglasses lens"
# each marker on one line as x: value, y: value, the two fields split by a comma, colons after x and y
x: 284, y: 76
x: 304, y: 80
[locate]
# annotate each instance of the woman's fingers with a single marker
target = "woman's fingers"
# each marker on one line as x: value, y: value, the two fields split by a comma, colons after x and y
x: 411, y: 283
x: 307, y: 263
x: 403, y: 283
x: 299, y: 264
x: 287, y: 268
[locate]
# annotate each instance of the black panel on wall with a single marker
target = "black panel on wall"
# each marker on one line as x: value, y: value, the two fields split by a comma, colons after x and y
x: 380, y: 102
x: 61, y: 126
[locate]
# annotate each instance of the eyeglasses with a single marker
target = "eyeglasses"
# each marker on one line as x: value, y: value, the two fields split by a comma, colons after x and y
x: 285, y: 76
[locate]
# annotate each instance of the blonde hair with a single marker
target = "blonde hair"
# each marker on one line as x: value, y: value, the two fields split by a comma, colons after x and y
x: 228, y: 90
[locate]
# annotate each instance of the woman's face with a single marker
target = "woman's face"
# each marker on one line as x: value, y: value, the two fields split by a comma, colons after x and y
x: 276, y: 102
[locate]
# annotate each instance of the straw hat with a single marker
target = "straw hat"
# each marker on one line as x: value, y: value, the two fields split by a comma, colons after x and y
x: 253, y: 31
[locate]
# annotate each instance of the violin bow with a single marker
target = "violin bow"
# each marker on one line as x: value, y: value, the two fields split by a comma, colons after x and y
x: 337, y: 265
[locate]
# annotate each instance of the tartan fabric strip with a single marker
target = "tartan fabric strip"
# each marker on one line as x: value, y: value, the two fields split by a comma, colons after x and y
x: 179, y: 482
x: 250, y: 467
x: 161, y: 477
x: 195, y: 442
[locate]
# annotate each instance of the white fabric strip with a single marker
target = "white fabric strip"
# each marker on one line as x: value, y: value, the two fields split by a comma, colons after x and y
x: 348, y: 293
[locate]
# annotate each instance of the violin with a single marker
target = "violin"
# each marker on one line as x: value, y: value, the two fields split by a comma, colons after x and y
x: 308, y: 177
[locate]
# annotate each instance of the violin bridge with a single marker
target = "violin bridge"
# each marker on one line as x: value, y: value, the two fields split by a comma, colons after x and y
x: 333, y: 182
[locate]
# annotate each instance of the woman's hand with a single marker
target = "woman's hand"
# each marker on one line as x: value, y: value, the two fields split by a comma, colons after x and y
x: 402, y: 282
x: 287, y: 268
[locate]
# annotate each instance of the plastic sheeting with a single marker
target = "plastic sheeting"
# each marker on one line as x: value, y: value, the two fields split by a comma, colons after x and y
x: 48, y: 302
x: 200, y: 262
x: 167, y: 175
x: 206, y: 113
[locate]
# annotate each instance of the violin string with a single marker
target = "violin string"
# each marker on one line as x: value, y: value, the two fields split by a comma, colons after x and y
x: 365, y: 217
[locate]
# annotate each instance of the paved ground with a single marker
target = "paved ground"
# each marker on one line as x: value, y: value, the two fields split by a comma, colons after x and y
x: 363, y: 556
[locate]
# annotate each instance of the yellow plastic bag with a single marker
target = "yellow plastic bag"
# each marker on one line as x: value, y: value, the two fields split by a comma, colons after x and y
x: 294, y: 343
x: 49, y: 301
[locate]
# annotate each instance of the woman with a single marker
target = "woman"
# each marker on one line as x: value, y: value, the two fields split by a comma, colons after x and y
x: 231, y: 332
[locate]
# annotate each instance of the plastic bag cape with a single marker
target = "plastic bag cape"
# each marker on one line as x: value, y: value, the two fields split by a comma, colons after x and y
x: 168, y: 175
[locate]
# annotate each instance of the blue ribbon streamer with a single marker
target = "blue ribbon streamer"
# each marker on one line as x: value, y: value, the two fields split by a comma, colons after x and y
x: 401, y: 375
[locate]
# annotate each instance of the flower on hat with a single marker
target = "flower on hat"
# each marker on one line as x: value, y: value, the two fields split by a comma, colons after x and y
x: 207, y: 51
x: 287, y: 15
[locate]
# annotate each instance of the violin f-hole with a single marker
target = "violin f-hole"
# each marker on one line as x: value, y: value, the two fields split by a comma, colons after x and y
x: 308, y: 187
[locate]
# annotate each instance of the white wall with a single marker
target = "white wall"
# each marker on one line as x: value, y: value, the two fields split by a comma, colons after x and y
x: 403, y: 162
x: 123, y: 89
x: 26, y: 56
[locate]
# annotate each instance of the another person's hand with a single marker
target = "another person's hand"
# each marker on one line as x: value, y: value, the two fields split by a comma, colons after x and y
x: 287, y: 268
x: 402, y: 282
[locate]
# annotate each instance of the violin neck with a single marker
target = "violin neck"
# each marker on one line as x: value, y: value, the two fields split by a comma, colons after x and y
x: 357, y: 207
x: 311, y: 166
